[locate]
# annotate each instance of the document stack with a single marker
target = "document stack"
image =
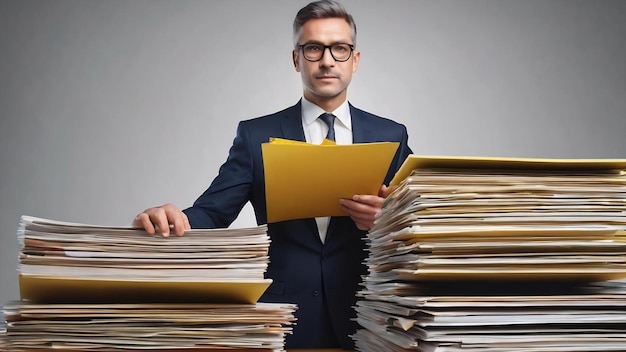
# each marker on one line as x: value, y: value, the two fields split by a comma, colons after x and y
x: 97, y: 288
x: 492, y: 254
x: 3, y: 336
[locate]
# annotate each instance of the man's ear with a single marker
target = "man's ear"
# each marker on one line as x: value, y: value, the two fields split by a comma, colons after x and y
x: 294, y: 58
x: 356, y: 60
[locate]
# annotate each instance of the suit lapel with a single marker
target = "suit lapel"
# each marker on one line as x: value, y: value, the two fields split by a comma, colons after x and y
x: 291, y: 124
x: 361, y: 130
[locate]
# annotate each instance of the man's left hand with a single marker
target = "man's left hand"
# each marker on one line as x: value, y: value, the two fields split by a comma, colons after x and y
x: 363, y: 208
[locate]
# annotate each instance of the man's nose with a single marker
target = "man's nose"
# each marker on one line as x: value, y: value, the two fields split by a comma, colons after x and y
x: 327, y: 58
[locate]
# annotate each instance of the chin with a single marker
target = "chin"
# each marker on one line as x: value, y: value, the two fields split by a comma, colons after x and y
x: 328, y: 93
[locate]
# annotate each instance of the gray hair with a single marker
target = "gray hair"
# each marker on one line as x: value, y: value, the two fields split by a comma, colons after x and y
x: 321, y: 9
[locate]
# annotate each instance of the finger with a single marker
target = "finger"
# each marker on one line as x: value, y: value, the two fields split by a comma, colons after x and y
x: 162, y: 227
x: 364, y: 204
x: 383, y: 191
x: 359, y: 212
x: 186, y: 220
x: 143, y: 220
x: 177, y: 219
x: 159, y: 218
x: 363, y: 215
x: 355, y: 207
x: 369, y: 200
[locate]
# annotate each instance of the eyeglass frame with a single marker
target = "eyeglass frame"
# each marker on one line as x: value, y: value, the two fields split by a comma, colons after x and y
x: 330, y: 50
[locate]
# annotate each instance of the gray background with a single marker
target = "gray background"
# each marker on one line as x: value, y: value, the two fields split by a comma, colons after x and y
x: 109, y: 107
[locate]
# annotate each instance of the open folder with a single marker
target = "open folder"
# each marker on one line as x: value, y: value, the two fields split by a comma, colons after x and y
x: 304, y: 180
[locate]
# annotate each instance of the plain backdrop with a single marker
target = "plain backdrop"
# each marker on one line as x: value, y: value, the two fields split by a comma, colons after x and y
x: 109, y: 107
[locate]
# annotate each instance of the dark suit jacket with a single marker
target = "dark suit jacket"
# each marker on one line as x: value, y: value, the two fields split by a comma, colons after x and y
x: 321, y: 279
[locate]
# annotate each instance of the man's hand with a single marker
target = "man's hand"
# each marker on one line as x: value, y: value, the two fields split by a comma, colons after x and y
x: 364, y: 208
x: 160, y: 219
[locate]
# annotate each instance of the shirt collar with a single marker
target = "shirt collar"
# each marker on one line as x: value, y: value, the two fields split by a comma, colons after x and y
x: 310, y: 112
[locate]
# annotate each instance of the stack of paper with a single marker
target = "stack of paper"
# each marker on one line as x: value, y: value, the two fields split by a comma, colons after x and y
x: 97, y: 262
x: 476, y: 254
x: 88, y: 287
x: 3, y: 336
x: 126, y: 327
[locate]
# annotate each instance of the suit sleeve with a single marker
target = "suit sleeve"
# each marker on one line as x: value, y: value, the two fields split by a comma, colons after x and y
x: 220, y: 204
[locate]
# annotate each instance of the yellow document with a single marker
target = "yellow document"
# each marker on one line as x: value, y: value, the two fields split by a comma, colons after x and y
x: 304, y: 180
x: 50, y: 289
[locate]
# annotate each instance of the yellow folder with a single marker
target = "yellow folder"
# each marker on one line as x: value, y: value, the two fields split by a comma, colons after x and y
x: 51, y: 289
x: 413, y: 162
x: 304, y: 180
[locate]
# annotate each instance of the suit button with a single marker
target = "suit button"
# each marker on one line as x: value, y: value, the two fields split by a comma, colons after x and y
x: 316, y: 293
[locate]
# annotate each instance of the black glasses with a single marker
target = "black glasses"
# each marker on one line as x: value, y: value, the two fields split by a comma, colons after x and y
x: 314, y: 52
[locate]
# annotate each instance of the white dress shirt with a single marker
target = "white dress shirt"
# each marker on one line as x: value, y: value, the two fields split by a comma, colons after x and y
x: 315, y: 131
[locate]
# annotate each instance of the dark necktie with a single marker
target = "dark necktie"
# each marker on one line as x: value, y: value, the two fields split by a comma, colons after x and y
x: 330, y: 121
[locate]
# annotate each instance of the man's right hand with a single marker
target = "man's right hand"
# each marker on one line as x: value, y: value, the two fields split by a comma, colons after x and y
x: 163, y: 219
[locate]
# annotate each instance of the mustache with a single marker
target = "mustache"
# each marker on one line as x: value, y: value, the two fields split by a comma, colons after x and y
x: 328, y: 73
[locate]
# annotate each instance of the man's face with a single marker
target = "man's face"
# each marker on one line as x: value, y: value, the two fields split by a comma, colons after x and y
x: 325, y: 81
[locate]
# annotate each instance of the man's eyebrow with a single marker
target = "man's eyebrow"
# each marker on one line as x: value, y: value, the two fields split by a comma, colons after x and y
x: 322, y: 43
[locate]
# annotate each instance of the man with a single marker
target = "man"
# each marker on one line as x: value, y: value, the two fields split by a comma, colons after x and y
x: 315, y: 263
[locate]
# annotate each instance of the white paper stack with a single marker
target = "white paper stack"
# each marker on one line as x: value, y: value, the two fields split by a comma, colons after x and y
x: 3, y: 336
x: 101, y: 288
x: 152, y: 327
x: 486, y: 254
x: 101, y: 262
